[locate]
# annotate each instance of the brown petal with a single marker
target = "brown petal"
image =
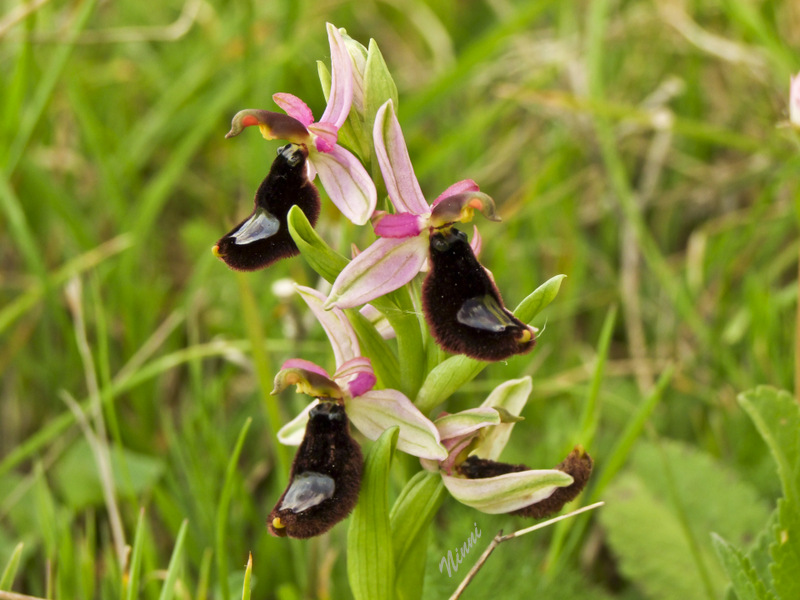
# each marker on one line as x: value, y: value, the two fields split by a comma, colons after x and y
x: 463, y: 307
x: 263, y: 238
x: 325, y: 477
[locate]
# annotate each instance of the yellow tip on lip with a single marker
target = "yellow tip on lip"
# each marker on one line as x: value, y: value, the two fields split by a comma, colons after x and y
x: 215, y: 251
x: 276, y: 523
x: 525, y: 337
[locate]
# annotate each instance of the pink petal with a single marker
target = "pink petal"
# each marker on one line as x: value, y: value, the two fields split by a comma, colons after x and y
x: 401, y: 225
x: 383, y: 267
x: 392, y: 155
x: 375, y: 411
x: 341, y: 96
x: 357, y: 375
x: 294, y: 107
x: 338, y: 329
x: 326, y: 134
x: 466, y: 185
x: 347, y: 183
x: 306, y: 365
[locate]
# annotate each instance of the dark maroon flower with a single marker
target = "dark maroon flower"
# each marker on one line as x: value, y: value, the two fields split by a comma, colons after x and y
x: 578, y: 465
x: 325, y: 478
x: 463, y: 307
x: 263, y: 238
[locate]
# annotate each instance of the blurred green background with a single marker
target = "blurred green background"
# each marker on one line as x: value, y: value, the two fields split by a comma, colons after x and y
x: 634, y: 146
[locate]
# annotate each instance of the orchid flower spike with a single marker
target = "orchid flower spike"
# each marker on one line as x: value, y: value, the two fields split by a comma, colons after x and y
x: 794, y: 100
x: 371, y: 411
x: 475, y: 438
x: 402, y: 250
x: 349, y: 186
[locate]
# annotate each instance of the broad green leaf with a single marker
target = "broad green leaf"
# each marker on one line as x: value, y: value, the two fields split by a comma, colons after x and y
x: 538, y: 299
x: 785, y: 551
x: 76, y: 478
x: 445, y: 379
x: 650, y: 544
x: 696, y: 478
x: 776, y: 415
x: 10, y: 570
x: 320, y: 257
x: 370, y: 561
x: 412, y: 512
x: 744, y: 579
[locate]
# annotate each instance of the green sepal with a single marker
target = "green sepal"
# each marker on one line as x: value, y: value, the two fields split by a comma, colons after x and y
x: 538, y: 299
x: 744, y: 578
x: 379, y: 87
x: 384, y: 360
x: 370, y: 560
x: 410, y: 520
x: 322, y: 258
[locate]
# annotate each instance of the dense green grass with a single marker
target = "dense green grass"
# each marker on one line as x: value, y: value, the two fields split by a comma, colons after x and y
x: 633, y: 146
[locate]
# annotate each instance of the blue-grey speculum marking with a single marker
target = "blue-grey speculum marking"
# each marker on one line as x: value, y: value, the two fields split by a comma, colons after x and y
x: 258, y: 227
x: 307, y: 490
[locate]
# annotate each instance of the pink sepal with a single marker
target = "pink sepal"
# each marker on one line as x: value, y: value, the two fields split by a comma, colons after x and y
x: 306, y: 365
x: 348, y: 185
x: 466, y: 185
x: 294, y: 107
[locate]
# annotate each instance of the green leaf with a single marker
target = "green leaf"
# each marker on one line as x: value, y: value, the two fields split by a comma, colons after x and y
x: 224, y: 503
x: 636, y: 522
x: 411, y: 514
x: 76, y: 478
x: 322, y: 258
x: 379, y: 86
x: 174, y: 564
x: 131, y: 582
x: 248, y: 573
x: 744, y: 579
x: 538, y: 299
x: 785, y: 551
x: 776, y: 415
x: 10, y: 571
x: 696, y: 478
x: 445, y: 378
x: 370, y: 560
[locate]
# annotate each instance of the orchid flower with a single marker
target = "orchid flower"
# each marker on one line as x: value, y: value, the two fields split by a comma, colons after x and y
x: 349, y: 186
x: 371, y: 411
x: 794, y: 100
x: 402, y: 250
x: 475, y: 438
